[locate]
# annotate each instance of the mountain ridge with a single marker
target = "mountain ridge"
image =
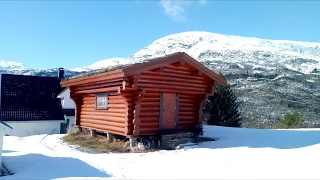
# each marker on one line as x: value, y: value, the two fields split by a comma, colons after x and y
x: 269, y: 77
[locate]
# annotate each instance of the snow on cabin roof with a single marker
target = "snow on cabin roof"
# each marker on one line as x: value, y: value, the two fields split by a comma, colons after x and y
x: 98, y: 71
x: 113, y: 68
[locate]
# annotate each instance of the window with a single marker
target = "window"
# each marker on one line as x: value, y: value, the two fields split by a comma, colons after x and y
x: 101, y: 101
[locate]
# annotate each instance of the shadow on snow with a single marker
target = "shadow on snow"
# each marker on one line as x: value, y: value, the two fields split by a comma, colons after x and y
x: 38, y: 166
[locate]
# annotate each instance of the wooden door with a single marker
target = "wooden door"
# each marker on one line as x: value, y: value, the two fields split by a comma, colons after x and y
x: 169, y: 111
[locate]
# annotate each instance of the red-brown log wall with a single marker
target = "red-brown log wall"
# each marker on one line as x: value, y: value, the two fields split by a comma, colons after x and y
x: 117, y: 118
x: 171, y: 79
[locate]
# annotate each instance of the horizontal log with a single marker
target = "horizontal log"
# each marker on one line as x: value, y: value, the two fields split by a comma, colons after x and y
x: 109, y: 106
x: 151, y: 95
x: 149, y: 119
x: 187, y: 100
x: 104, y: 113
x: 87, y: 97
x: 176, y: 71
x: 104, y: 123
x: 186, y: 109
x: 186, y: 105
x: 109, y: 110
x: 145, y: 131
x: 149, y: 109
x: 149, y: 114
x: 175, y: 67
x: 119, y: 131
x: 173, y: 87
x: 141, y: 82
x: 186, y: 118
x: 196, y: 73
x: 182, y: 96
x: 186, y: 113
x: 102, y: 85
x: 149, y: 124
x: 173, y: 76
x: 186, y: 122
x: 150, y: 99
x: 101, y: 82
x: 105, y: 118
x: 172, y: 91
x: 149, y: 104
x: 130, y: 89
x: 115, y: 101
x: 171, y: 80
x: 114, y: 109
x: 100, y: 90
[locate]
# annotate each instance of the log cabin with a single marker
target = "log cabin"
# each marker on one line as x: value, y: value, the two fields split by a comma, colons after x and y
x: 158, y: 96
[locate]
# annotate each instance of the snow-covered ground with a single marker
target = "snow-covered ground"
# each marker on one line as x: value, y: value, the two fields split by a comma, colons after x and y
x: 238, y: 154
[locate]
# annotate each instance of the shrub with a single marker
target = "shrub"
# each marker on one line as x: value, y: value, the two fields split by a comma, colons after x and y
x: 293, y: 120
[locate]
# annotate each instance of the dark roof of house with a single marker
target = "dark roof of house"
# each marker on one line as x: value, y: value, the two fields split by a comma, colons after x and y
x: 130, y: 69
x: 30, y: 98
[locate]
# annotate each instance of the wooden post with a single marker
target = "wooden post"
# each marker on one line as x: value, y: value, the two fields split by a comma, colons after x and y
x: 92, y: 132
x: 109, y: 137
x: 133, y: 141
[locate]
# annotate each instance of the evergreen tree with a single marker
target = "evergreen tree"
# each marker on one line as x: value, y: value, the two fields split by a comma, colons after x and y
x: 221, y: 108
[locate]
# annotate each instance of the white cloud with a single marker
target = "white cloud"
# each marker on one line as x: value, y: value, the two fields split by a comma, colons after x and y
x: 176, y: 9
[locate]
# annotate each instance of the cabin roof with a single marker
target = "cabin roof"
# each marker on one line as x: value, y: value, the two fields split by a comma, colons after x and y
x: 136, y: 68
x: 30, y: 98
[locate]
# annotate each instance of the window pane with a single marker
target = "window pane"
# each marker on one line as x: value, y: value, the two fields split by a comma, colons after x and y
x: 102, y: 101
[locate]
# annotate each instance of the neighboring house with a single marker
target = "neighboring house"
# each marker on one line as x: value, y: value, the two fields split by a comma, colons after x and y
x: 4, y: 129
x: 29, y: 104
x: 160, y: 96
x: 68, y: 106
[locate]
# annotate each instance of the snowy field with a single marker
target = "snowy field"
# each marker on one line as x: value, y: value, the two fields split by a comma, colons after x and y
x: 238, y: 154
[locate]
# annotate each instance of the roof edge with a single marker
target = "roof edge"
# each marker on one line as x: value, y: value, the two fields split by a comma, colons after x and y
x: 5, y: 126
x: 220, y: 80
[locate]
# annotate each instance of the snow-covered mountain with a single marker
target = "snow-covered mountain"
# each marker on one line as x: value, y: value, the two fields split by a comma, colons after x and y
x: 228, y: 49
x: 269, y: 77
x: 4, y: 65
x: 102, y: 64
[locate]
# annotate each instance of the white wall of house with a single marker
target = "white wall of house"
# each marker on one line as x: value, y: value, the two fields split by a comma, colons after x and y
x: 67, y: 102
x: 4, y: 129
x: 72, y: 122
x: 28, y: 128
x: 1, y: 144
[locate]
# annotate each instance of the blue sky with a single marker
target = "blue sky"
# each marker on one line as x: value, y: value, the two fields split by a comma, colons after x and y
x: 47, y: 34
